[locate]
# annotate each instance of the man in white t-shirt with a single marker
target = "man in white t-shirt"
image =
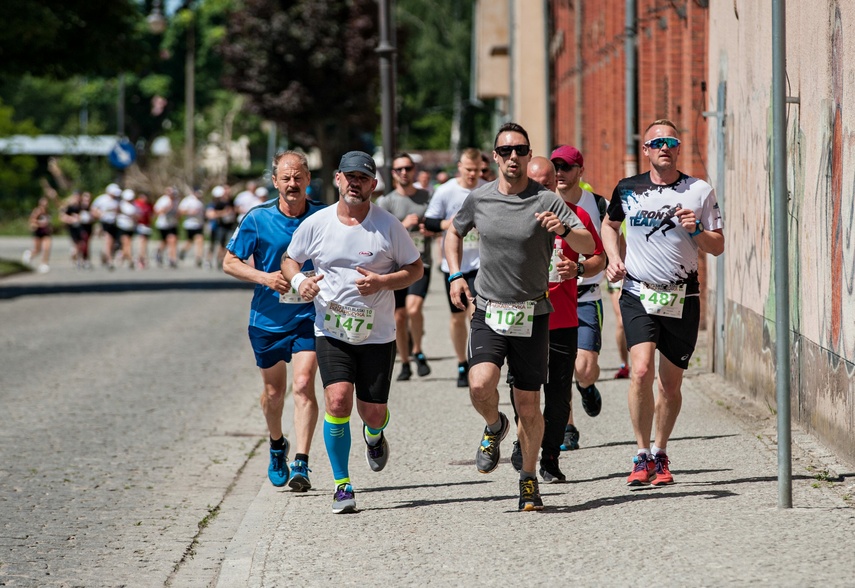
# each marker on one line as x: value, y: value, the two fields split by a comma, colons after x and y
x: 670, y: 218
x: 166, y: 223
x: 446, y: 201
x: 247, y: 200
x: 361, y: 255
x: 104, y: 209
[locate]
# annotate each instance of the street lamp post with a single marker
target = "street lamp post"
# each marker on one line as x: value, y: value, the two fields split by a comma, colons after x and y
x: 190, y: 103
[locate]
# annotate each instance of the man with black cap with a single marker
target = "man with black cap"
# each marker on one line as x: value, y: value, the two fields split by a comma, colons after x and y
x: 361, y: 254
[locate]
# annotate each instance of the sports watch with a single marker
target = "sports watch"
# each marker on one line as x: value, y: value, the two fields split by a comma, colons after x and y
x: 699, y: 228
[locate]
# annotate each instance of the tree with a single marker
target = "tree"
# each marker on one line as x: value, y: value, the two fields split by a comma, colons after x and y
x: 310, y: 66
x: 15, y: 170
x: 61, y: 38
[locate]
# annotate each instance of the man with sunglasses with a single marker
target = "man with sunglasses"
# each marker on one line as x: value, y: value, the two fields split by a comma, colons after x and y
x: 517, y: 220
x: 569, y: 166
x: 408, y: 204
x: 660, y: 304
x: 361, y: 254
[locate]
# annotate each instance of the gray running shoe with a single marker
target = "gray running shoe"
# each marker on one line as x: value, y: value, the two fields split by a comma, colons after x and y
x: 488, y: 454
x: 344, y: 499
x: 516, y: 456
x: 571, y: 438
x: 550, y: 472
x: 530, y: 495
x: 376, y: 455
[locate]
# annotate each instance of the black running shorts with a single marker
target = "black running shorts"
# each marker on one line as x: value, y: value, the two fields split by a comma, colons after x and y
x: 367, y: 367
x: 675, y: 338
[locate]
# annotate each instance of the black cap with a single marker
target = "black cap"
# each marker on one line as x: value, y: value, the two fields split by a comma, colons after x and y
x: 358, y: 161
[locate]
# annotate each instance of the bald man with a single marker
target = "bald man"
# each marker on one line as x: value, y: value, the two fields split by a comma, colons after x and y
x: 542, y: 171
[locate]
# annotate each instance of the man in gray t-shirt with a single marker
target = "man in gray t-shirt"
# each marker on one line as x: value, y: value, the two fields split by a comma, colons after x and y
x: 517, y: 220
x: 408, y: 204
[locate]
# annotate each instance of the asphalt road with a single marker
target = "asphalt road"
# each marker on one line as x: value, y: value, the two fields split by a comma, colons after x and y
x: 128, y: 458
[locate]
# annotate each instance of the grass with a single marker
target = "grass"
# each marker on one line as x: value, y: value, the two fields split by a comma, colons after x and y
x: 10, y: 268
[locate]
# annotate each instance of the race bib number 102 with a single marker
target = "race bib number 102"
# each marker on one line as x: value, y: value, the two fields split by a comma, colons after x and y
x: 514, y: 319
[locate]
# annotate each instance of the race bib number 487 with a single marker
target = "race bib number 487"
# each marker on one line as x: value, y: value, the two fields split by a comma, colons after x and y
x: 664, y: 301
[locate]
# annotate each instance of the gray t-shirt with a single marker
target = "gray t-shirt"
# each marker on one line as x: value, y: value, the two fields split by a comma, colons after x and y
x: 401, y: 206
x: 515, y: 249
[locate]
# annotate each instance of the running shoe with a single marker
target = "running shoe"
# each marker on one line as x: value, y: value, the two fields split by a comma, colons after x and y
x: 622, y: 373
x: 488, y: 454
x: 26, y: 257
x: 422, y: 367
x: 571, y: 438
x: 344, y: 499
x: 516, y: 456
x: 592, y: 402
x: 463, y: 375
x: 663, y: 474
x: 643, y: 471
x: 406, y: 373
x: 530, y: 495
x: 550, y: 472
x: 278, y: 471
x: 376, y: 455
x: 299, y: 481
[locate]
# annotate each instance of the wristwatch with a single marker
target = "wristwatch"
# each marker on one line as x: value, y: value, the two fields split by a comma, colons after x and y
x: 699, y: 228
x: 580, y: 270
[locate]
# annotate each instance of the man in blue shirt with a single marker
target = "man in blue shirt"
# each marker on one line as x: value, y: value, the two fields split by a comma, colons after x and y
x: 281, y: 327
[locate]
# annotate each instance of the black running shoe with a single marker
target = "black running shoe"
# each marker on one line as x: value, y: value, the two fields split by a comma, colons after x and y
x: 463, y: 375
x: 592, y: 402
x: 550, y: 472
x: 488, y: 454
x: 530, y: 495
x: 422, y: 367
x: 571, y: 438
x: 406, y: 373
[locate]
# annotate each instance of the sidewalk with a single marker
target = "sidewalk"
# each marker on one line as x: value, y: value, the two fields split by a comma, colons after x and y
x: 431, y: 518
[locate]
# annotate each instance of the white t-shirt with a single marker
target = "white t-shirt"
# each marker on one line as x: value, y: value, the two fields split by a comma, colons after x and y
x: 193, y: 211
x: 167, y: 213
x: 589, y: 204
x: 127, y: 216
x: 108, y: 207
x: 244, y: 202
x: 446, y: 201
x: 380, y: 244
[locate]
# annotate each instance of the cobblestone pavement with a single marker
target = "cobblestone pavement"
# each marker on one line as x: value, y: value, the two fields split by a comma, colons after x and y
x: 142, y: 473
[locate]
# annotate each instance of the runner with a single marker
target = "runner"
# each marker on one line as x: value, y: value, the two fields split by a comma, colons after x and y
x: 280, y: 323
x: 660, y: 304
x: 517, y: 220
x: 362, y: 254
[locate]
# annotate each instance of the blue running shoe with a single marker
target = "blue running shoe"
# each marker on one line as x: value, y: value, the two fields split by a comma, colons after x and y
x: 278, y: 471
x: 299, y: 481
x: 344, y: 499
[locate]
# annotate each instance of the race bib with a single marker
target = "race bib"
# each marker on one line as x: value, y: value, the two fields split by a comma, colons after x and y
x: 472, y: 240
x: 554, y: 276
x: 292, y: 297
x: 664, y: 300
x: 351, y: 324
x: 514, y: 319
x: 418, y: 241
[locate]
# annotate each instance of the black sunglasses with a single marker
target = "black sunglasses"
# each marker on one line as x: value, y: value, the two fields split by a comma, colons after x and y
x: 505, y: 150
x: 563, y: 166
x: 407, y: 168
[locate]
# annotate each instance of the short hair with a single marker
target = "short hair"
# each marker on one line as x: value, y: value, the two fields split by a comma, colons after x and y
x: 510, y: 127
x: 661, y: 121
x: 403, y: 154
x: 472, y: 154
x: 485, y: 158
x: 289, y: 153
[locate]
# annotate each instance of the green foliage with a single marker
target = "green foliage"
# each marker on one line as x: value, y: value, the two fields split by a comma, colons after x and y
x: 63, y: 38
x: 16, y: 171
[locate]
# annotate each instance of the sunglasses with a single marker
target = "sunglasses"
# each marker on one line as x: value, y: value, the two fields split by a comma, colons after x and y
x: 506, y: 150
x: 660, y: 142
x: 563, y: 166
x: 406, y: 168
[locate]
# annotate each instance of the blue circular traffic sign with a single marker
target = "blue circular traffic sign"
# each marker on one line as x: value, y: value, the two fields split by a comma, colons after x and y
x: 122, y: 154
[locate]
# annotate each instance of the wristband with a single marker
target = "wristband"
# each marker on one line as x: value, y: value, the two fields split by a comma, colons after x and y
x: 296, y: 280
x: 455, y: 276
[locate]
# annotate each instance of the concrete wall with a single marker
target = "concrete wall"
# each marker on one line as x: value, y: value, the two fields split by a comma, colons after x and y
x: 821, y: 181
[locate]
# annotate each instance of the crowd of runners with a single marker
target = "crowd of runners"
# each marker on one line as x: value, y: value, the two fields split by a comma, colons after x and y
x: 525, y: 256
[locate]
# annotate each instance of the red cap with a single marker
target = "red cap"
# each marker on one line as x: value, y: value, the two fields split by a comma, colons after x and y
x: 569, y: 155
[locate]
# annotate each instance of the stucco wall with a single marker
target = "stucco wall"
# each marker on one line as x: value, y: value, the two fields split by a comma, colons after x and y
x: 820, y: 40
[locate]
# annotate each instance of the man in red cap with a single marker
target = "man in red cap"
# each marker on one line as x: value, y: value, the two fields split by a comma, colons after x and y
x: 569, y: 166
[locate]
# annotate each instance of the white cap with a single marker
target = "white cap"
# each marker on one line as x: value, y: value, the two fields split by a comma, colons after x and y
x: 114, y: 190
x: 261, y: 192
x: 128, y: 194
x: 218, y: 192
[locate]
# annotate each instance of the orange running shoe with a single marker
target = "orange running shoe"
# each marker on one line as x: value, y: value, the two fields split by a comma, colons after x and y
x: 643, y: 472
x: 663, y: 474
